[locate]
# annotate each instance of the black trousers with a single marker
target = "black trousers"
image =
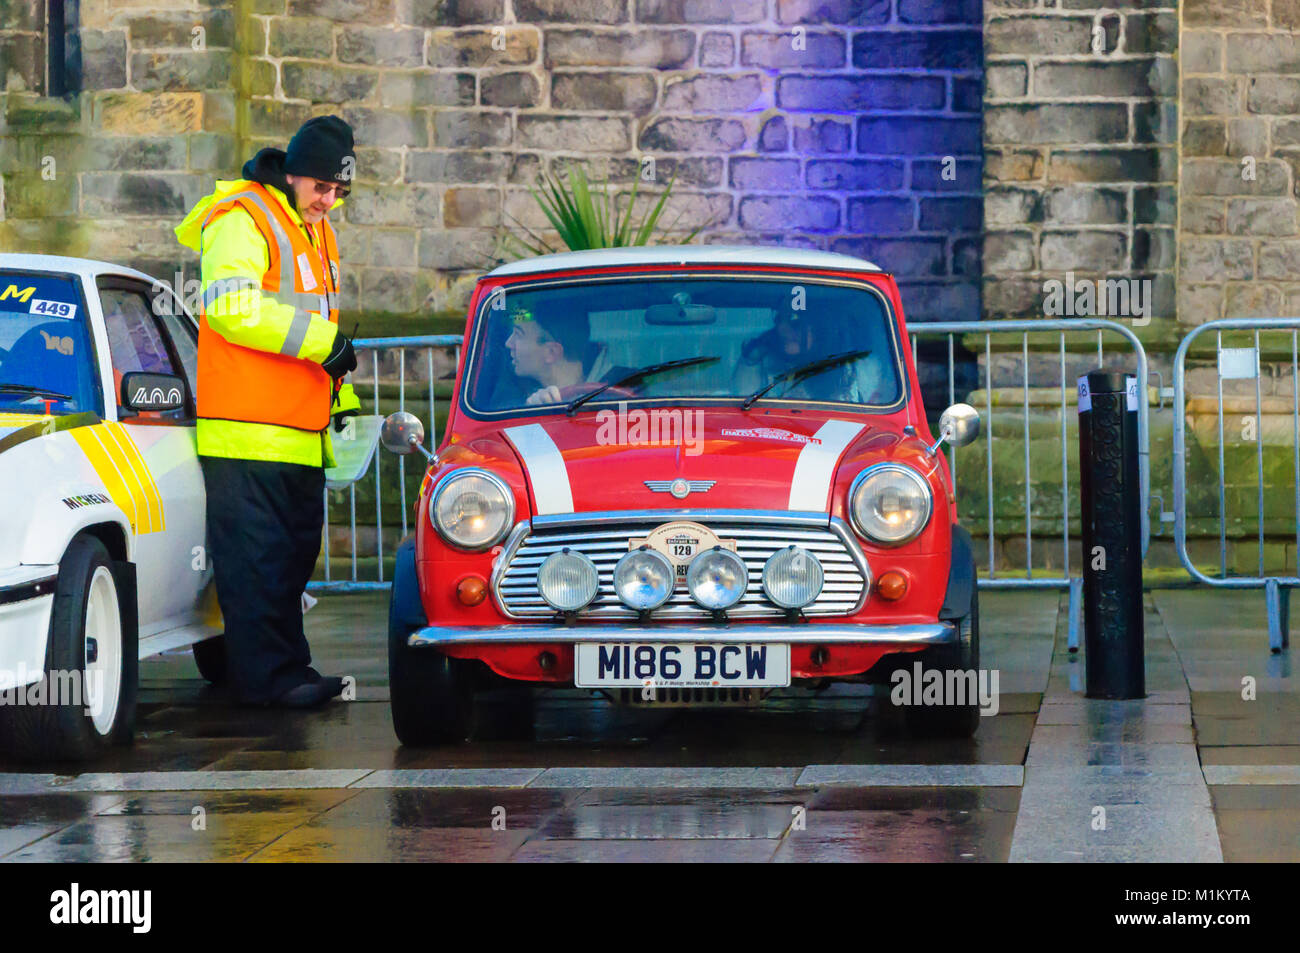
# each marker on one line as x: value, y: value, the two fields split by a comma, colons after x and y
x: 264, y: 533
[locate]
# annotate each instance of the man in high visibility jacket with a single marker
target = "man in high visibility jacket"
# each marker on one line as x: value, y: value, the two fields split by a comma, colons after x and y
x: 271, y: 365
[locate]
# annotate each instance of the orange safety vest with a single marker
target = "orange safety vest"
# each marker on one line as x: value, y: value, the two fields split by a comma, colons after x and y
x: 245, y: 384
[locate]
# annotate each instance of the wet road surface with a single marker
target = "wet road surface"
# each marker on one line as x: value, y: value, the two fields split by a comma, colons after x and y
x: 802, y: 778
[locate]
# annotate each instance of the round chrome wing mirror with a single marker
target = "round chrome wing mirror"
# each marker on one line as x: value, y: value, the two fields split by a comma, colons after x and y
x: 402, y: 433
x: 959, y: 425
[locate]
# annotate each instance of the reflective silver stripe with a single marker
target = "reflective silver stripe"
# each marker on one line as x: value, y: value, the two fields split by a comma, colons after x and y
x: 302, y: 303
x: 545, y: 467
x: 225, y: 286
x: 297, y: 333
x: 810, y: 486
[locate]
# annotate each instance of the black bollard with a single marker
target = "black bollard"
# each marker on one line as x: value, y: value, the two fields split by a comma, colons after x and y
x: 1110, y: 498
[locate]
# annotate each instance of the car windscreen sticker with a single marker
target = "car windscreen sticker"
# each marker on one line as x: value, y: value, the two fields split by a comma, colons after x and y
x: 54, y: 342
x: 55, y: 309
x: 46, y: 295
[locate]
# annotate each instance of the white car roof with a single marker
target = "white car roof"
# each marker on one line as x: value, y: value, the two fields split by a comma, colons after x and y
x: 687, y: 255
x: 85, y: 267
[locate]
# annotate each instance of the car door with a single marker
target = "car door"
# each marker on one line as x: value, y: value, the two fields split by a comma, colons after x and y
x: 148, y: 331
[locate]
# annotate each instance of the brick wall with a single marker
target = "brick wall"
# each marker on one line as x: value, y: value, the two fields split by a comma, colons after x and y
x: 1081, y: 148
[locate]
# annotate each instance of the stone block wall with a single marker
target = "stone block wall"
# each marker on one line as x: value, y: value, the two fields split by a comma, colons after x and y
x: 1240, y: 163
x: 22, y: 46
x: 852, y: 125
x: 109, y: 172
x: 1080, y: 136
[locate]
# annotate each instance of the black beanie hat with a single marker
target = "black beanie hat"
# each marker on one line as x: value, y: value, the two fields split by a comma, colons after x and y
x: 322, y: 149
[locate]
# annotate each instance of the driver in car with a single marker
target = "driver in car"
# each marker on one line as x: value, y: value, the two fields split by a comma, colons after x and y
x: 798, y: 337
x: 553, y: 350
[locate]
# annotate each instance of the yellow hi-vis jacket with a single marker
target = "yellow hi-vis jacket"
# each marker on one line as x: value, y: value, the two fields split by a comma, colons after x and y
x: 235, y: 253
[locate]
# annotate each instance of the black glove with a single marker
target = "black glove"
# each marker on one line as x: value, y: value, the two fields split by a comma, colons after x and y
x: 340, y: 419
x: 342, y: 358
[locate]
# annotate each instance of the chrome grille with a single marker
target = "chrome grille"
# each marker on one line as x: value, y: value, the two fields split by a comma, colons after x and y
x: 605, y: 540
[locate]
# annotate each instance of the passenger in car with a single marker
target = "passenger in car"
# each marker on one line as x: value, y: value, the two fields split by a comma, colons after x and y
x: 799, y: 336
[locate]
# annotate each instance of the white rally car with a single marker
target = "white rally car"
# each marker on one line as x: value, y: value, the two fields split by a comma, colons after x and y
x: 102, y: 543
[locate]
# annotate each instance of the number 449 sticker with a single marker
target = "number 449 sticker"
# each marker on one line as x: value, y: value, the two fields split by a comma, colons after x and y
x: 58, y: 309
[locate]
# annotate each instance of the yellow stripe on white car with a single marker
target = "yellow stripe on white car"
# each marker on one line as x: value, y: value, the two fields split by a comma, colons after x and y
x: 126, y: 477
x: 140, y: 470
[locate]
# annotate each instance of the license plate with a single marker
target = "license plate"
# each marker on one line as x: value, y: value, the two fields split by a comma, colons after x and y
x: 681, y: 665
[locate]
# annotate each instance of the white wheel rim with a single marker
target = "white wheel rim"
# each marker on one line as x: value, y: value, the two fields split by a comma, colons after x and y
x: 103, y: 677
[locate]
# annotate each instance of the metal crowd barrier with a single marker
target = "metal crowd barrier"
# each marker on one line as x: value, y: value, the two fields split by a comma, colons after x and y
x: 375, y: 346
x: 1244, y: 364
x: 988, y: 329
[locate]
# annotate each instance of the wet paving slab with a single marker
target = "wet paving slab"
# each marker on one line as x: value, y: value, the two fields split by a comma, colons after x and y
x: 805, y: 777
x: 377, y: 825
x: 1245, y: 705
x: 210, y: 781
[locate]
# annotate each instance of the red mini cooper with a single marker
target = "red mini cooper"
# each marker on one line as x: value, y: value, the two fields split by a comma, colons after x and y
x: 682, y: 475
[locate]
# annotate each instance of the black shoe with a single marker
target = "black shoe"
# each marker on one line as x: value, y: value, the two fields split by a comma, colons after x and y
x: 332, y: 684
x: 306, y: 695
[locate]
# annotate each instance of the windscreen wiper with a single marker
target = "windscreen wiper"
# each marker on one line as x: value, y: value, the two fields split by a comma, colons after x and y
x: 803, y: 371
x: 637, y: 375
x: 33, y: 391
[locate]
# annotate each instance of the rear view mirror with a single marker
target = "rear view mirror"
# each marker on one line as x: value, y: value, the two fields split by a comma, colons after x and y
x: 680, y: 314
x: 143, y: 391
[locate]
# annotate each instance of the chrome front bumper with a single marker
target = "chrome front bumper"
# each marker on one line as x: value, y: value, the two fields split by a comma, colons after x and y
x: 931, y: 633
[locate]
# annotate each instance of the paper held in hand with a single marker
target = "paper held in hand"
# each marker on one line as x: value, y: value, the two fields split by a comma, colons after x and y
x: 354, y: 448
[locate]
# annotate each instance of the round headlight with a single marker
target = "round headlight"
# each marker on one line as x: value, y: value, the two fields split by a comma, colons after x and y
x: 644, y: 579
x: 568, y: 580
x: 472, y: 508
x: 890, y: 503
x: 792, y: 577
x: 717, y: 578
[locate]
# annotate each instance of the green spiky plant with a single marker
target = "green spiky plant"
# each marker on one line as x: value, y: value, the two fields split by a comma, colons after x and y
x: 586, y: 217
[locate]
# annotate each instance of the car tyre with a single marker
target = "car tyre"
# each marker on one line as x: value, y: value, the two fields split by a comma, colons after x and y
x: 431, y: 694
x: 210, y: 657
x: 507, y: 714
x: 91, y: 635
x: 950, y: 721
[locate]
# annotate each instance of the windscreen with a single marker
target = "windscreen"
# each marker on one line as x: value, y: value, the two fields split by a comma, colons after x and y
x: 736, y: 339
x: 46, y: 362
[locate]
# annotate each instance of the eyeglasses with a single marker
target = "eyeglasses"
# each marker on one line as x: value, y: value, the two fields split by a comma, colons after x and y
x: 324, y: 188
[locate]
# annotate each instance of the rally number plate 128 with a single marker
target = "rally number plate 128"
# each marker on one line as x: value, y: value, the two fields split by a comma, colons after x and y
x: 681, y: 664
